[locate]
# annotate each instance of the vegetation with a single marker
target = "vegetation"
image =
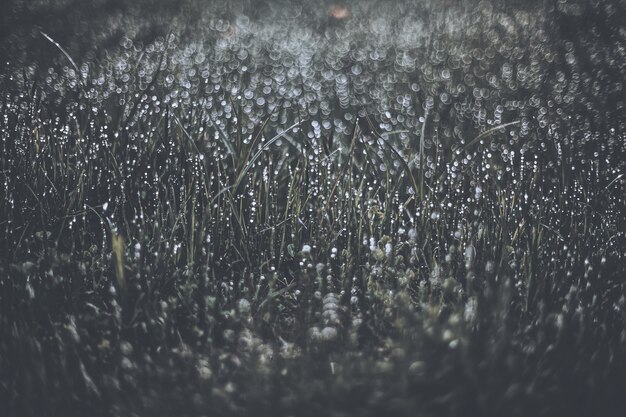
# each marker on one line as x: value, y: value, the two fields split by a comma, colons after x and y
x: 345, y: 218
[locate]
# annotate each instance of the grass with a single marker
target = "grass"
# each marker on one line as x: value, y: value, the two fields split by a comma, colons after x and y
x: 167, y: 252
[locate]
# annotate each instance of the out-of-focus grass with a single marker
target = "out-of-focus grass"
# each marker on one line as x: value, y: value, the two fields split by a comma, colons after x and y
x: 157, y: 262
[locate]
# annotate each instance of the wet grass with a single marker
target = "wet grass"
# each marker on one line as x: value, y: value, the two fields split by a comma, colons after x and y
x: 174, y: 249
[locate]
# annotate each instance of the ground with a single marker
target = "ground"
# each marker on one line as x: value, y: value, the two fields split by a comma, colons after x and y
x: 313, y: 208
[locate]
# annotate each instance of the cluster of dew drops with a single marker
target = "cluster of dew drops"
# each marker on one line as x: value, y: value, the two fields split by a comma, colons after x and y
x: 442, y: 79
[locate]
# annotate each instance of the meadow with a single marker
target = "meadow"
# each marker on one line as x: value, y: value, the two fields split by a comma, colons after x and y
x: 288, y: 208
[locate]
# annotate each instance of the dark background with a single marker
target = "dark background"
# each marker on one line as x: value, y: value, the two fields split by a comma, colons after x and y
x: 92, y: 26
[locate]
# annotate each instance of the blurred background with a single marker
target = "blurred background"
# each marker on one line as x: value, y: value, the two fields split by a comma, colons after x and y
x: 92, y: 26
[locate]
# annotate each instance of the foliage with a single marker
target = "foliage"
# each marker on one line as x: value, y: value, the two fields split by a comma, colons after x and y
x: 173, y: 247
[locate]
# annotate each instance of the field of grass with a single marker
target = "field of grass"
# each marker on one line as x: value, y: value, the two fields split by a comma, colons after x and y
x: 411, y: 210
